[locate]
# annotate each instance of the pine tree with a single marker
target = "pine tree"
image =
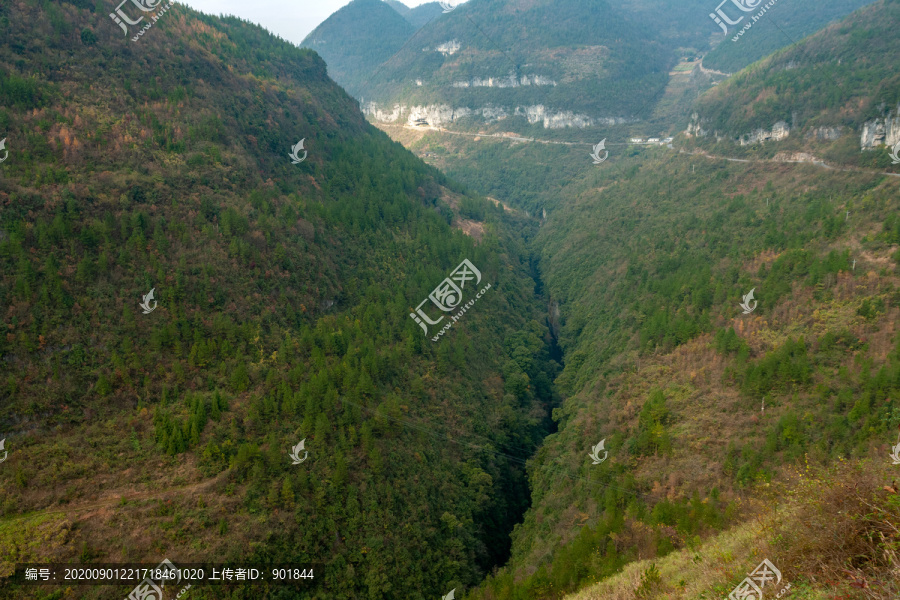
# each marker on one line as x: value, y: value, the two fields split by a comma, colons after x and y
x: 287, y: 494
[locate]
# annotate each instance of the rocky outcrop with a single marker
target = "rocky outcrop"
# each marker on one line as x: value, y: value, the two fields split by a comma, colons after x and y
x: 438, y: 115
x: 382, y: 115
x: 881, y: 132
x: 824, y: 134
x: 695, y: 127
x: 796, y: 157
x: 447, y: 48
x: 510, y: 81
x: 559, y: 120
x: 780, y: 130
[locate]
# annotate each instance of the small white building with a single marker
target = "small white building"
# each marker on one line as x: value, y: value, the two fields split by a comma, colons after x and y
x: 668, y: 140
x: 653, y: 141
x: 637, y: 140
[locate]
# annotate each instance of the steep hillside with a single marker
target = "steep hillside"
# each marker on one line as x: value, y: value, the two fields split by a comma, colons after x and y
x: 356, y: 39
x: 833, y: 94
x: 780, y: 25
x: 829, y: 529
x: 140, y: 427
x: 649, y: 265
x: 708, y: 410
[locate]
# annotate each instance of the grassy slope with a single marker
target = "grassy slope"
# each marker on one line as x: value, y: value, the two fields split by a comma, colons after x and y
x: 828, y: 538
x: 825, y: 538
x: 284, y: 292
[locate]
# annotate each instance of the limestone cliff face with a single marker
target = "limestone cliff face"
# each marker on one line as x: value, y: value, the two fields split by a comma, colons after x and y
x: 698, y: 127
x: 439, y: 115
x: 880, y: 132
x: 509, y: 81
x: 780, y: 130
x: 825, y: 134
x: 695, y: 127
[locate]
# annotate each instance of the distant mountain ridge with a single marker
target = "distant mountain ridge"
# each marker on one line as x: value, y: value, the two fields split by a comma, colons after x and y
x: 835, y: 93
x: 358, y: 38
x: 549, y: 63
x: 546, y: 64
x: 418, y: 15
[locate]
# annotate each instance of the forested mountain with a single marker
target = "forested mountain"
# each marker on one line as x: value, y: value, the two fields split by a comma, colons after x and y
x: 213, y: 268
x: 357, y: 38
x: 418, y: 15
x: 733, y: 434
x: 781, y: 25
x: 554, y: 64
x: 827, y: 95
x: 549, y: 63
x: 184, y: 303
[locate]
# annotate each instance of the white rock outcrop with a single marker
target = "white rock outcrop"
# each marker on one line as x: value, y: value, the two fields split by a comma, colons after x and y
x: 825, y: 134
x: 509, y: 81
x: 881, y: 132
x: 438, y: 115
x: 447, y: 48
x: 780, y: 130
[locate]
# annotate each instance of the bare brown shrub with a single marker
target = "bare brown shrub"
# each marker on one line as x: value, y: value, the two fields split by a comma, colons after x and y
x: 846, y: 534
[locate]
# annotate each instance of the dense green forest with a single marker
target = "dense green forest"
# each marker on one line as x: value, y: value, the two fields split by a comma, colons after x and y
x: 649, y: 270
x: 702, y: 408
x: 284, y: 293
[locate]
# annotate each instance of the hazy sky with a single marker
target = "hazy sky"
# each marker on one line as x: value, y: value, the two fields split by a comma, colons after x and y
x: 290, y: 20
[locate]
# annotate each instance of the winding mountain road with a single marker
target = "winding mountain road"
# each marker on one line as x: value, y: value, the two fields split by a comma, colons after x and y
x: 502, y: 136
